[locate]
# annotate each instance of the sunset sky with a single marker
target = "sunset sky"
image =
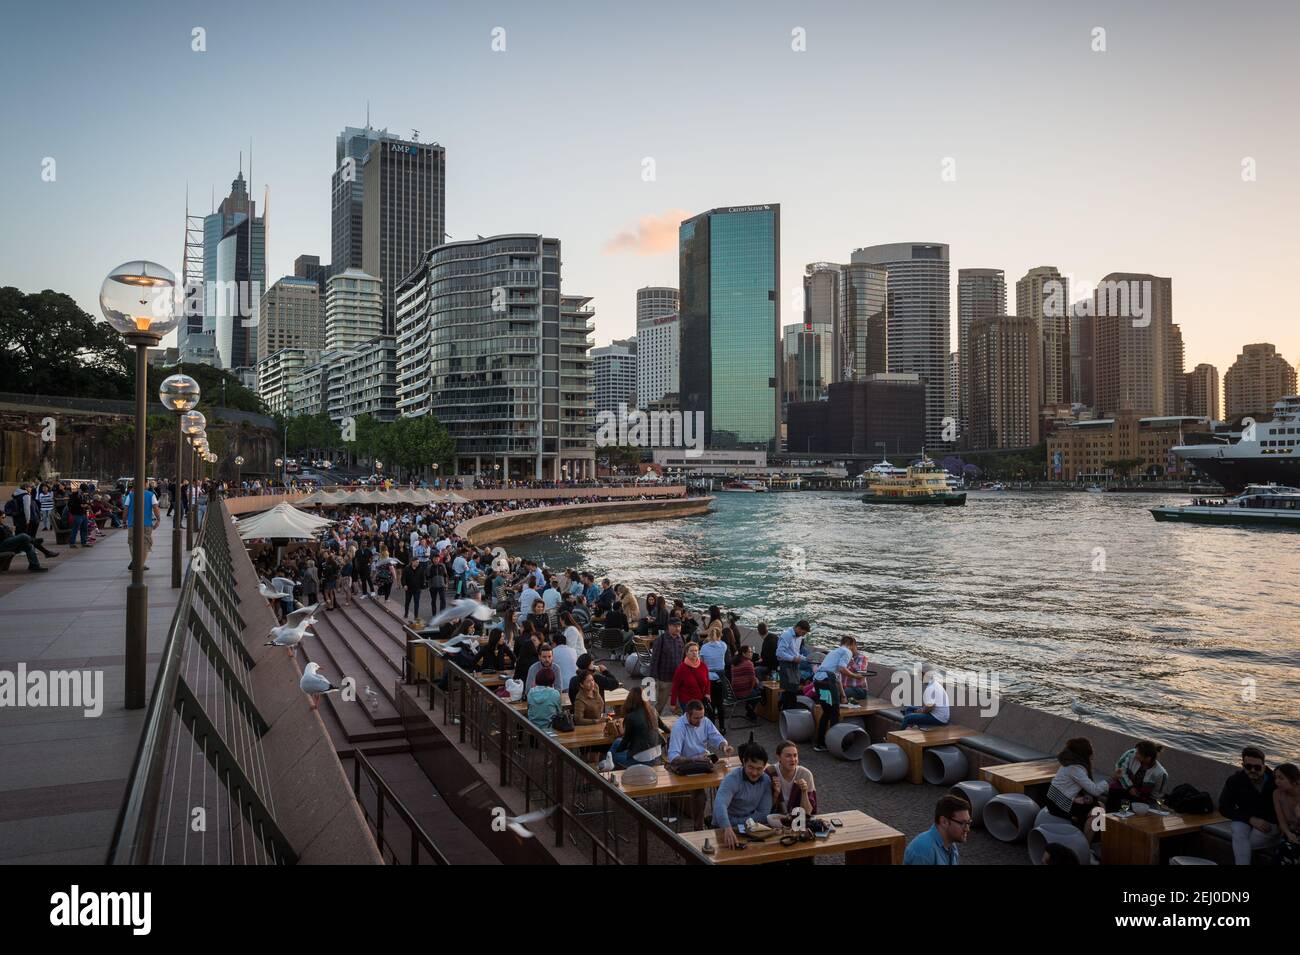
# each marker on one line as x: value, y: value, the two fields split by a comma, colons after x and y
x: 1124, y: 160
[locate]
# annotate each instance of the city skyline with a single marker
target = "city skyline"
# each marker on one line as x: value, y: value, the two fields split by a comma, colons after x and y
x: 1158, y: 191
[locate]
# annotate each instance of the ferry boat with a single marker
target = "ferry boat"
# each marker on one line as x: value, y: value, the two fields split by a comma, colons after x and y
x: 924, y: 483
x: 744, y: 486
x: 1273, y: 457
x: 1259, y: 504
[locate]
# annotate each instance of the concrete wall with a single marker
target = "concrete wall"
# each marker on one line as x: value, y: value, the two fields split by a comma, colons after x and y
x: 493, y: 528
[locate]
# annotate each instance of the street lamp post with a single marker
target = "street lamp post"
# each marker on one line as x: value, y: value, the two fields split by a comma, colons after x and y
x: 179, y: 395
x: 193, y: 424
x: 279, y: 463
x: 138, y: 300
x: 239, y: 472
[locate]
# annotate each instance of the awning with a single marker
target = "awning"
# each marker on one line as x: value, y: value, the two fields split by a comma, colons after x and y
x: 283, y: 520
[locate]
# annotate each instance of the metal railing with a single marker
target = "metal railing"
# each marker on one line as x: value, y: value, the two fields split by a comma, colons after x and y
x: 199, y: 791
x: 592, y: 816
x: 385, y: 797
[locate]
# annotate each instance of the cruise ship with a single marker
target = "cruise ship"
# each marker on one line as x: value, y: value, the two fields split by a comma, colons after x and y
x: 1272, y: 458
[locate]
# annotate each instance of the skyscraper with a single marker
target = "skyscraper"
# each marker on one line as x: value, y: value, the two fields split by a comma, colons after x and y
x: 861, y: 346
x: 403, y: 211
x: 981, y: 293
x: 1201, y: 392
x: 807, y: 355
x: 347, y: 194
x: 1044, y: 295
x: 229, y: 308
x: 653, y: 301
x: 613, y: 367
x: 658, y: 358
x: 730, y: 267
x: 291, y: 316
x: 353, y: 310
x: 1005, y: 375
x: 917, y: 308
x: 1137, y: 348
x: 1257, y: 380
x: 506, y: 371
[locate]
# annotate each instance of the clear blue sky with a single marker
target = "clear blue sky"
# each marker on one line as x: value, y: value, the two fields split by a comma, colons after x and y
x: 1127, y: 160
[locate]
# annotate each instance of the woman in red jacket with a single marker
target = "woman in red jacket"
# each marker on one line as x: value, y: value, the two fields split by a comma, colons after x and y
x: 691, y: 679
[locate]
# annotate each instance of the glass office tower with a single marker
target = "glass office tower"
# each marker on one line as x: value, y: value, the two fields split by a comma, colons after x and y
x: 729, y: 266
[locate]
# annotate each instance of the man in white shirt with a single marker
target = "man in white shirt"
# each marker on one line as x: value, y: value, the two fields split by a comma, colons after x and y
x: 526, y: 599
x: 565, y: 661
x: 934, y: 711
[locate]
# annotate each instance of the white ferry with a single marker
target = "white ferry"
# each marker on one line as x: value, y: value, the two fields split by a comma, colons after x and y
x: 1260, y: 504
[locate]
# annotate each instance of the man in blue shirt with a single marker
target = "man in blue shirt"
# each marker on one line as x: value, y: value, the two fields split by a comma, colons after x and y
x: 152, y: 515
x: 745, y: 793
x: 694, y: 735
x: 939, y: 845
x: 826, y: 684
x: 789, y: 654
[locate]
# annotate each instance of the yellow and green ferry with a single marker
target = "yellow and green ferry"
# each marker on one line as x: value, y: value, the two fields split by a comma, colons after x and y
x: 924, y: 483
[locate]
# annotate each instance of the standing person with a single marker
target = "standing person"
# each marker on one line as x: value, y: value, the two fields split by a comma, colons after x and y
x: 310, y: 581
x: 767, y: 662
x: 1247, y: 801
x: 789, y: 655
x: 940, y: 844
x: 691, y: 679
x: 717, y: 658
x: 384, y: 575
x: 201, y: 505
x: 666, y: 655
x: 24, y: 511
x: 414, y: 580
x: 437, y: 587
x: 77, y: 514
x: 361, y: 567
x: 45, y: 502
x: 329, y: 570
x: 826, y: 684
x: 150, y: 515
x: 345, y: 578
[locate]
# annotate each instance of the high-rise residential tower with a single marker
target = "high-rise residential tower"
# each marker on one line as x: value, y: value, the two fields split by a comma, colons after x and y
x: 292, y: 316
x: 613, y: 369
x: 488, y: 344
x: 730, y: 268
x: 1257, y: 380
x: 1201, y: 392
x: 1043, y: 294
x: 981, y: 293
x: 917, y: 308
x: 354, y: 309
x: 403, y: 211
x: 1005, y: 373
x: 653, y: 301
x: 658, y: 358
x: 1137, y: 348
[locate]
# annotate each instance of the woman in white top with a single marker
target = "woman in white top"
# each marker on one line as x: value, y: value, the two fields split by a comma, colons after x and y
x: 792, y: 784
x: 1073, y: 793
x: 573, y: 637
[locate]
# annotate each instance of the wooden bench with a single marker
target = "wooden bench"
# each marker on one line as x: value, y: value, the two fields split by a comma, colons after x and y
x: 1017, y: 777
x: 914, y: 743
x: 863, y: 841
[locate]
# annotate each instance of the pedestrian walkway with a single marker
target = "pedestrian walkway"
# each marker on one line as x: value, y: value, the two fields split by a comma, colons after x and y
x: 62, y: 772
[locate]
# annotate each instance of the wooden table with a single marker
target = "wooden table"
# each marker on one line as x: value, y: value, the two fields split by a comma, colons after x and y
x: 850, y: 709
x: 593, y: 735
x: 1135, y: 840
x: 1017, y: 777
x: 491, y: 679
x: 668, y: 784
x: 863, y: 840
x: 915, y: 741
x: 770, y: 708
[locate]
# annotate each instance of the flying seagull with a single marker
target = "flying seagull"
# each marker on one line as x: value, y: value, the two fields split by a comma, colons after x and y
x: 461, y: 609
x: 519, y: 824
x: 313, y: 684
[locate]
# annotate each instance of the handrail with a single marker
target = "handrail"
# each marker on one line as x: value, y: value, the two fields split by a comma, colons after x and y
x: 383, y: 791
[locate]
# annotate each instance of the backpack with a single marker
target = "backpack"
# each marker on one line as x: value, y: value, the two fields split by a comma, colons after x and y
x: 11, y: 508
x: 1187, y: 799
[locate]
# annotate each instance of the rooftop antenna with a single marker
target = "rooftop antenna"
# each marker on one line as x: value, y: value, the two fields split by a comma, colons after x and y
x: 367, y: 115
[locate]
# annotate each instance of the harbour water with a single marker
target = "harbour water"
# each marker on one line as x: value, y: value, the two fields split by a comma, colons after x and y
x: 1189, y: 634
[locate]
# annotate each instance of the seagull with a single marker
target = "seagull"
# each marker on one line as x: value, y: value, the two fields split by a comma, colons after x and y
x: 460, y: 609
x: 268, y: 592
x: 290, y: 634
x: 519, y: 824
x: 1079, y: 708
x: 313, y: 684
x: 389, y: 561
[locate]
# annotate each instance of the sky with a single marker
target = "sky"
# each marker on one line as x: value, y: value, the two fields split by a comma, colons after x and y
x: 1123, y: 159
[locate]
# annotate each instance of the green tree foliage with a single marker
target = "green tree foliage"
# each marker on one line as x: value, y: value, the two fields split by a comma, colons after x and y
x: 49, y: 346
x: 411, y: 444
x: 218, y: 387
x: 311, y: 432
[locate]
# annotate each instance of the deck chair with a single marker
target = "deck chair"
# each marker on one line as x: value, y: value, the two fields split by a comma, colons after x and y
x: 730, y: 700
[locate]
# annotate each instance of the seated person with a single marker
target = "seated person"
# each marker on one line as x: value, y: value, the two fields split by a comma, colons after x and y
x: 694, y: 736
x: 1247, y: 801
x: 1073, y: 794
x: 1138, y: 776
x: 744, y: 793
x: 640, y: 742
x: 855, y: 687
x: 934, y: 699
x: 1286, y: 805
x: 544, y: 700
x: 744, y: 681
x: 23, y: 544
x: 655, y: 617
x: 588, y: 702
x: 605, y: 681
x: 792, y: 785
x: 496, y: 654
x: 940, y: 844
x: 615, y: 619
x: 545, y: 661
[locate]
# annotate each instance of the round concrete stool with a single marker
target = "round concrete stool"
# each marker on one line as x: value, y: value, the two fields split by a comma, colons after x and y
x: 978, y: 793
x: 847, y: 740
x: 1045, y: 818
x: 1062, y: 833
x: 884, y: 763
x: 1010, y: 816
x: 804, y: 702
x: 943, y: 765
x: 1191, y: 860
x: 632, y: 664
x: 797, y: 725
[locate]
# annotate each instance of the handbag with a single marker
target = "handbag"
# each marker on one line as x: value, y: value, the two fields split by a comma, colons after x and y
x: 692, y: 767
x: 613, y: 729
x: 562, y: 723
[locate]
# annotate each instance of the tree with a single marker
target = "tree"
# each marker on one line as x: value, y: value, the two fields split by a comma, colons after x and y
x: 219, y: 388
x: 48, y: 345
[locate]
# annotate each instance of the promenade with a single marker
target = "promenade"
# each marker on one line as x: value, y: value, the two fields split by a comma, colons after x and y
x: 63, y: 773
